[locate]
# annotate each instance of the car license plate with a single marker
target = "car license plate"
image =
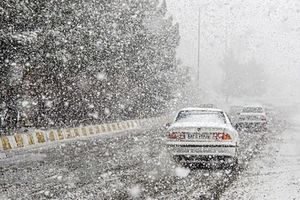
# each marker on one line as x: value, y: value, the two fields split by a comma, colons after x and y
x: 198, y: 136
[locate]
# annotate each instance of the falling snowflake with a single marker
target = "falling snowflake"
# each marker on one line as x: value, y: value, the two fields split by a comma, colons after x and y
x: 25, y: 103
x: 101, y: 76
x: 182, y: 172
x: 135, y: 191
x: 49, y: 104
x: 106, y: 111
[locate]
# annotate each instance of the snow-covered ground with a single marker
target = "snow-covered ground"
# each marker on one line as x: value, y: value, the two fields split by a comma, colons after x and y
x: 275, y: 173
x: 129, y: 165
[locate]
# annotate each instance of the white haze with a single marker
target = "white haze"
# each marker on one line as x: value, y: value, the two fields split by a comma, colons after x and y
x: 267, y: 30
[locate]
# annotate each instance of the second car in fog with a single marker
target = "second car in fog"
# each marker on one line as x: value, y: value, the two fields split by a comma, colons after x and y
x: 252, y: 118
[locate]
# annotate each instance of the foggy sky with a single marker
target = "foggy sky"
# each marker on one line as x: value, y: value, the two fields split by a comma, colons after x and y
x: 268, y: 30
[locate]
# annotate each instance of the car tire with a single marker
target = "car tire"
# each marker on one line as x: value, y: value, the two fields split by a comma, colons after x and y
x: 264, y: 129
x: 178, y: 159
x: 235, y: 164
x: 238, y: 127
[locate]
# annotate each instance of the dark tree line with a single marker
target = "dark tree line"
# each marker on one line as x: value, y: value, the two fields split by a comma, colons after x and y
x: 83, y: 61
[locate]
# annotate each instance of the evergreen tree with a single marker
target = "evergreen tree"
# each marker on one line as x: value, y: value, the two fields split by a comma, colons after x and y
x: 89, y: 61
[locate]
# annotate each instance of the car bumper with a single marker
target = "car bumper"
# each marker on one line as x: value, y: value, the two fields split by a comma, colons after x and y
x: 204, y: 151
x: 250, y: 124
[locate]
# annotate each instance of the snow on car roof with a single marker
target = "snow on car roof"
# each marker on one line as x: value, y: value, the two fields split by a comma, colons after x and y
x: 201, y: 109
x: 253, y: 105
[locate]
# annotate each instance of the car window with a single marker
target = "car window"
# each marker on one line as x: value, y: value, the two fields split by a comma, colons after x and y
x: 198, y: 116
x: 252, y: 110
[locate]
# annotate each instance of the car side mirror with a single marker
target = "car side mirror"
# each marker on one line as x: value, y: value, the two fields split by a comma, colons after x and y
x: 168, y: 125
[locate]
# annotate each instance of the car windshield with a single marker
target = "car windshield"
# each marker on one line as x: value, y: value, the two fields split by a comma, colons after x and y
x: 198, y: 116
x: 252, y: 110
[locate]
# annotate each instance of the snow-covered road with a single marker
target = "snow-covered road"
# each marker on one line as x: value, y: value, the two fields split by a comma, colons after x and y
x: 275, y: 173
x: 124, y: 166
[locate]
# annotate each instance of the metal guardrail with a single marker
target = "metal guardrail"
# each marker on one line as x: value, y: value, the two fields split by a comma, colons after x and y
x: 40, y: 137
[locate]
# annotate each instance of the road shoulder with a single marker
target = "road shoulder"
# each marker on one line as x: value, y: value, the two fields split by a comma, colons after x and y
x: 274, y: 173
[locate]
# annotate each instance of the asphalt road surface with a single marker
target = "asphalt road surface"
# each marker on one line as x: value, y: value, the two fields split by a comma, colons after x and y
x: 128, y: 165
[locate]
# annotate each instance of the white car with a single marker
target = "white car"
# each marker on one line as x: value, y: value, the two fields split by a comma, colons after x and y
x: 203, y: 135
x: 252, y: 117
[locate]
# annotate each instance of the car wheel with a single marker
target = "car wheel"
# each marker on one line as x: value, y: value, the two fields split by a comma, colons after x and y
x: 233, y: 165
x: 238, y: 127
x: 179, y: 159
x: 264, y: 129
